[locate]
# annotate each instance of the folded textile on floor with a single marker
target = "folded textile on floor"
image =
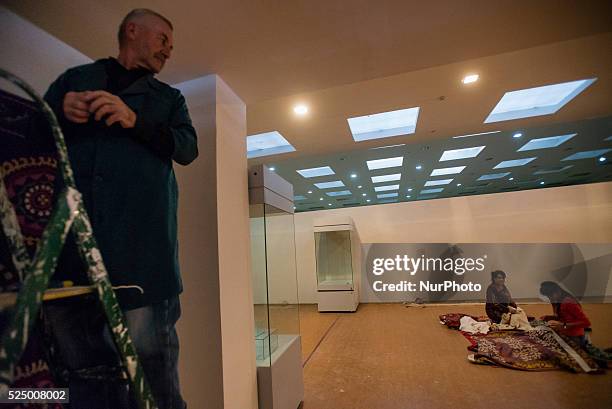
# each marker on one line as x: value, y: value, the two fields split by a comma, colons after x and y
x: 469, y: 324
x: 453, y: 319
x: 538, y: 350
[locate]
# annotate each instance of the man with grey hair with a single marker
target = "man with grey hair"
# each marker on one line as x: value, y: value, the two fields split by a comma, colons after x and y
x: 124, y: 129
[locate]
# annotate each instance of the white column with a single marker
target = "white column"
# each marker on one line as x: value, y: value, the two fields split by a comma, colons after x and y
x: 217, y: 361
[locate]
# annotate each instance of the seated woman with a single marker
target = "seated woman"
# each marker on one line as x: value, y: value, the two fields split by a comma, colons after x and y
x: 499, y: 299
x: 569, y: 319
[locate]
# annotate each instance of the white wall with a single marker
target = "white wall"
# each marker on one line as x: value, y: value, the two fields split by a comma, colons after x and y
x: 570, y: 214
x: 33, y: 54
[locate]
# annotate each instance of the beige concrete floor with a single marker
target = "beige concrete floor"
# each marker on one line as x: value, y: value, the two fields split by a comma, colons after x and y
x: 387, y: 356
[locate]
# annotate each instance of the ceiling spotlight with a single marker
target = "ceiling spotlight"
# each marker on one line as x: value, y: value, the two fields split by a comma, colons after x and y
x: 410, y: 189
x: 408, y: 196
x: 602, y: 159
x: 359, y: 187
x: 353, y: 175
x: 272, y: 169
x: 458, y: 184
x: 363, y: 194
x: 419, y: 167
x: 511, y: 179
x: 300, y: 109
x: 310, y: 191
x: 320, y: 198
x: 541, y: 183
x: 368, y: 200
x: 329, y: 204
x: 517, y: 135
x: 468, y: 79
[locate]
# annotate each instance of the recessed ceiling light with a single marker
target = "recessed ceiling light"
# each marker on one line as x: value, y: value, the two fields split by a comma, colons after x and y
x: 383, y: 125
x: 428, y: 191
x: 386, y: 195
x: 385, y: 188
x: 386, y: 178
x: 300, y: 109
x: 517, y: 135
x: 464, y: 153
x: 545, y: 143
x: 316, y: 172
x: 587, y: 154
x: 602, y: 159
x: 513, y: 163
x: 310, y: 191
x: 272, y: 169
x: 368, y: 200
x: 385, y: 163
x: 327, y: 185
x: 468, y: 79
x: 408, y: 196
x: 511, y: 179
x: 536, y: 101
x: 458, y: 184
x: 419, y: 167
x: 353, y: 175
x: 329, y: 204
x: 321, y: 199
x: 267, y: 143
x: 492, y: 176
x: 438, y: 182
x: 339, y: 193
x: 409, y: 189
x: 359, y: 187
x: 364, y: 194
x: 541, y: 183
x: 447, y: 171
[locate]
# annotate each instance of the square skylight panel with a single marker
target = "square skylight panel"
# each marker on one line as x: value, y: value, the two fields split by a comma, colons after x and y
x: 384, y: 125
x: 315, y: 172
x: 587, y: 154
x: 268, y: 143
x: 553, y: 170
x: 425, y: 197
x: 429, y: 191
x: 536, y: 101
x: 513, y: 163
x: 544, y: 143
x: 438, y: 182
x: 340, y: 193
x: 385, y: 163
x: 464, y: 153
x: 386, y: 178
x: 492, y: 176
x: 386, y: 188
x: 447, y: 171
x: 386, y: 195
x: 329, y: 185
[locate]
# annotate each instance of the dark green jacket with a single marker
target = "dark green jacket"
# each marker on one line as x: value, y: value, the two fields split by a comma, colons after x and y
x: 128, y: 183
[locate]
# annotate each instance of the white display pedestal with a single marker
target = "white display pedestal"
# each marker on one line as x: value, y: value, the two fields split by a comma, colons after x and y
x: 280, y: 382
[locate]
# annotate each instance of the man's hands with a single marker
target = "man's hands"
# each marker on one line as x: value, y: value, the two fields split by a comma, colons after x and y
x: 78, y: 106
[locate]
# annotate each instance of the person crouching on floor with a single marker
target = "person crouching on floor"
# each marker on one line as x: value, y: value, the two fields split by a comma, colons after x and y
x: 569, y: 319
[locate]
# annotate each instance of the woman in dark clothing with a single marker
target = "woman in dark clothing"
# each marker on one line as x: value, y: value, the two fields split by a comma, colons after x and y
x: 499, y: 299
x: 569, y: 319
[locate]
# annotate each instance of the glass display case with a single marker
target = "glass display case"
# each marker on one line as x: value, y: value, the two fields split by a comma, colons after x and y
x: 334, y: 260
x: 277, y: 340
x: 337, y: 257
x: 274, y: 279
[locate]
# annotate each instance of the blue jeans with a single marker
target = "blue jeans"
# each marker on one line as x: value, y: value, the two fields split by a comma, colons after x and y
x: 87, y: 360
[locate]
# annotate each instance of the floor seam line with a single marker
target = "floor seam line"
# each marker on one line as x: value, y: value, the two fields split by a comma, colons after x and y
x: 320, y: 341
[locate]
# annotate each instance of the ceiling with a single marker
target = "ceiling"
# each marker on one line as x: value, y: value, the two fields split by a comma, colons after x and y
x: 346, y: 59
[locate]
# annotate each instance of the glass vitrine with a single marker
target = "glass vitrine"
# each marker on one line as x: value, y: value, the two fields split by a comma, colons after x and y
x: 334, y: 260
x: 274, y: 280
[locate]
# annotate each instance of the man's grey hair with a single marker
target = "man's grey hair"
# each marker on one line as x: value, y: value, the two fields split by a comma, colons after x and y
x: 133, y: 15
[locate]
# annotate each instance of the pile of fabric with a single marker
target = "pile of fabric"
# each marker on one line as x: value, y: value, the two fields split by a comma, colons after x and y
x: 519, y: 344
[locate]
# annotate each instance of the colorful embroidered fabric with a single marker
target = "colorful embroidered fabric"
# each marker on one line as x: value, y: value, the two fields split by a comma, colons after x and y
x: 28, y: 166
